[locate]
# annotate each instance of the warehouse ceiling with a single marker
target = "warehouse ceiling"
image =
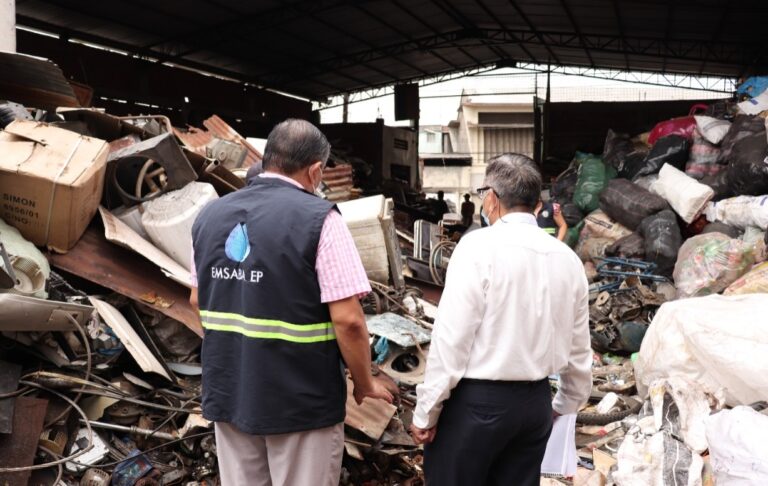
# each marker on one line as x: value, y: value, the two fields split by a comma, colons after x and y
x: 319, y: 48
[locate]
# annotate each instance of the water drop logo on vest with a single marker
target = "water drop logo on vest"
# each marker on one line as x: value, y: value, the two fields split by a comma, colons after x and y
x: 237, y: 246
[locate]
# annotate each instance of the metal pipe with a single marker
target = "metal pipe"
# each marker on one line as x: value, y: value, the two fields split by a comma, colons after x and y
x: 130, y: 429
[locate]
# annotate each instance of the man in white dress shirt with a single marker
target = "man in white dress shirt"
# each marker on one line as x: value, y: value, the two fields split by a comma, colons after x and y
x: 514, y: 311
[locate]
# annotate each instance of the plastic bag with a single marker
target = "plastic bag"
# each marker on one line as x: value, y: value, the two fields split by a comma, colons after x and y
x: 719, y: 184
x: 702, y: 161
x: 592, y: 248
x: 662, y: 240
x: 571, y: 214
x: 747, y: 172
x: 737, y: 446
x: 646, y: 181
x: 726, y: 229
x: 572, y: 236
x: 717, y: 341
x: 682, y: 126
x: 686, y: 196
x: 708, y: 264
x: 742, y: 126
x: 600, y: 225
x: 631, y: 246
x: 671, y: 150
x: 712, y: 129
x: 753, y: 86
x: 617, y: 147
x: 753, y: 282
x: 593, y: 176
x: 628, y: 203
x: 741, y: 212
x: 564, y: 186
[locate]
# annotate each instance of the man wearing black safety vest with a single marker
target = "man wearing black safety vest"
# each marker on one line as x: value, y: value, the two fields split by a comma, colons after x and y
x: 278, y: 287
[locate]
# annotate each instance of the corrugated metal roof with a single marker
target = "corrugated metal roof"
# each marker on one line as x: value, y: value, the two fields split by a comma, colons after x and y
x: 196, y: 139
x: 317, y: 48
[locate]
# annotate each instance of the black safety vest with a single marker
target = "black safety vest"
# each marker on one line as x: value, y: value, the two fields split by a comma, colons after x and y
x: 271, y: 363
x: 546, y: 219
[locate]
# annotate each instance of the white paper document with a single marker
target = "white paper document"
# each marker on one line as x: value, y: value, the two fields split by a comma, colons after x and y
x: 560, y: 458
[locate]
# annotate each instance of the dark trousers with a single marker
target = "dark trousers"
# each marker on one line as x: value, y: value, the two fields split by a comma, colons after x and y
x: 491, y: 433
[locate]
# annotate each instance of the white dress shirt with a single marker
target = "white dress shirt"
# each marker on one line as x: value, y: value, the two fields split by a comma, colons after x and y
x: 515, y: 308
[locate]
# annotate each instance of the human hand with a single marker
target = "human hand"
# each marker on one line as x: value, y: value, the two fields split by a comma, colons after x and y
x: 375, y: 389
x: 423, y: 436
x: 556, y: 207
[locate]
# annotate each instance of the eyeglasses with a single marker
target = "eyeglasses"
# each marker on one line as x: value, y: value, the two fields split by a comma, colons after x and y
x: 483, y: 191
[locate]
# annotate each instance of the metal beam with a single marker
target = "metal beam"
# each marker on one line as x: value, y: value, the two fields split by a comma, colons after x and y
x: 572, y: 19
x: 530, y: 25
x: 495, y: 18
x: 620, y: 25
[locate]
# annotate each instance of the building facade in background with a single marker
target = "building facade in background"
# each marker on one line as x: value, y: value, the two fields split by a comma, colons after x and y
x: 453, y: 157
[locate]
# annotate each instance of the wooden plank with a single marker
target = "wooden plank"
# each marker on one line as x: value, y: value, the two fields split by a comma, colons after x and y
x: 18, y: 449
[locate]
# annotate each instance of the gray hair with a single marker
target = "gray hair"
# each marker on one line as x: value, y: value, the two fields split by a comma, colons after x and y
x: 515, y: 179
x: 294, y: 145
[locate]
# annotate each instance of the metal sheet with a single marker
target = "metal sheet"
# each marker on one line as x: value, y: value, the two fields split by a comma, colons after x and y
x: 9, y: 381
x: 96, y: 259
x: 18, y: 449
x: 133, y: 343
x: 371, y: 418
x: 22, y: 313
x: 397, y: 329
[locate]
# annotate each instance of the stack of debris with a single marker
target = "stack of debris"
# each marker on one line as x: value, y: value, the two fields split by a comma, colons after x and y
x: 100, y: 378
x: 661, y: 220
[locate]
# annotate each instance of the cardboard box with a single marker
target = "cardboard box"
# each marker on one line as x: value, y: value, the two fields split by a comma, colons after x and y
x: 51, y: 181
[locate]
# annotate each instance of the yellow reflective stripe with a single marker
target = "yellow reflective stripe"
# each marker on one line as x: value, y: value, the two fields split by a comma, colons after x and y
x: 266, y: 322
x: 550, y: 231
x: 268, y: 335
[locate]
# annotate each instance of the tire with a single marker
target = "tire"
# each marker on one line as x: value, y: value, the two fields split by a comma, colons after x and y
x: 607, y: 418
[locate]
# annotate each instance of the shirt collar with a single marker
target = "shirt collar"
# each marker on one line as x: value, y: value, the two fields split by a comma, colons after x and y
x: 274, y: 175
x: 524, y: 218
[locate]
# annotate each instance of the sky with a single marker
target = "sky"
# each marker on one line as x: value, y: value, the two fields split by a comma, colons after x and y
x: 439, y: 102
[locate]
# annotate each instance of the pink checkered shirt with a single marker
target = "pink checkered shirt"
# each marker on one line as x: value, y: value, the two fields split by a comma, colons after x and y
x: 340, y: 272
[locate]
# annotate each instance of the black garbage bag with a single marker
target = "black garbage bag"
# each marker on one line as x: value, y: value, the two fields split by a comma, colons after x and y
x: 672, y: 150
x: 633, y: 163
x: 718, y: 227
x: 747, y: 172
x: 719, y: 184
x: 572, y: 214
x: 662, y: 240
x: 742, y: 126
x: 628, y: 203
x: 617, y: 147
x: 564, y: 186
x: 631, y: 246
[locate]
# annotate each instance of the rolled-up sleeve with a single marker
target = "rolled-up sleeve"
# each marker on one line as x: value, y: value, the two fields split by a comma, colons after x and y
x: 340, y: 272
x: 576, y: 380
x: 459, y: 316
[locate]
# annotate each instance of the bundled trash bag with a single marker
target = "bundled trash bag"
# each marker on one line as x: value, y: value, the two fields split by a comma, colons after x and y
x: 564, y: 186
x: 741, y: 212
x: 600, y: 225
x: 617, y: 147
x: 662, y: 240
x: 726, y: 229
x: 719, y: 184
x: 593, y: 176
x: 646, y: 181
x: 571, y: 214
x: 708, y: 264
x: 682, y: 126
x: 747, y: 172
x: 753, y: 282
x: 742, y: 126
x: 592, y: 248
x: 686, y: 196
x: 712, y: 129
x: 628, y: 203
x: 753, y: 86
x: 737, y: 446
x: 702, y: 160
x: 631, y: 246
x: 572, y: 236
x: 672, y: 150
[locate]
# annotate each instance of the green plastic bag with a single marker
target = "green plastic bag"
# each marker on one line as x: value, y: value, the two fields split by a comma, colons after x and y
x: 593, y: 177
x: 572, y: 236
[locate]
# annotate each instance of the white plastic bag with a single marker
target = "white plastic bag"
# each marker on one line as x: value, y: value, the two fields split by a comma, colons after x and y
x: 717, y: 341
x: 686, y: 195
x: 741, y: 212
x: 712, y: 129
x: 738, y: 447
